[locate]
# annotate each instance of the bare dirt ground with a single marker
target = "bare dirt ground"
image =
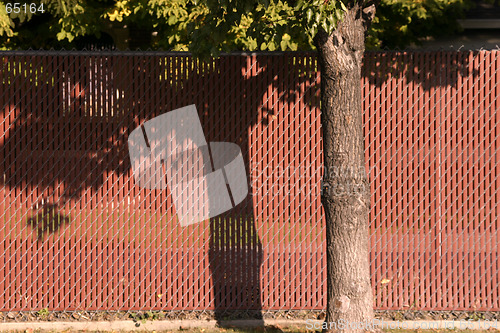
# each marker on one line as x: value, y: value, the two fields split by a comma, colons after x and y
x: 45, y: 315
x: 269, y: 329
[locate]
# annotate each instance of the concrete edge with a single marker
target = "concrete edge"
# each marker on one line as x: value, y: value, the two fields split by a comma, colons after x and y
x: 309, y: 324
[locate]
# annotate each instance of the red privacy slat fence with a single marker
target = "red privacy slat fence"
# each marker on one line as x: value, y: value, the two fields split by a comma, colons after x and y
x: 76, y: 233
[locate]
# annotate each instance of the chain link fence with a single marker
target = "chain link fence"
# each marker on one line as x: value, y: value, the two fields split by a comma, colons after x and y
x: 77, y: 234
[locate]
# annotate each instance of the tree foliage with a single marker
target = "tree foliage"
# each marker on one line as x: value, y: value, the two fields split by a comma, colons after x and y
x: 227, y: 25
x: 400, y: 22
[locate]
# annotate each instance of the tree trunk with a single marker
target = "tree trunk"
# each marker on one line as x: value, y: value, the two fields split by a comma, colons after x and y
x: 345, y: 189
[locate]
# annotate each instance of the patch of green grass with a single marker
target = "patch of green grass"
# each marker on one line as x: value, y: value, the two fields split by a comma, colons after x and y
x: 148, y: 315
x: 43, y: 313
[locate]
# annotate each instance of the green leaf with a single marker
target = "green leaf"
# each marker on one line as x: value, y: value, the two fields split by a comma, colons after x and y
x: 300, y: 5
x: 309, y: 15
x: 172, y: 20
x: 333, y: 21
x: 338, y: 14
x: 314, y: 30
x: 61, y: 35
x: 325, y: 26
x: 342, y: 5
x: 317, y: 18
x: 283, y: 44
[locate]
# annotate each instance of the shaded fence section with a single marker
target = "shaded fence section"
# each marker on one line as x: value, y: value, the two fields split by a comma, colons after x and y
x: 76, y: 233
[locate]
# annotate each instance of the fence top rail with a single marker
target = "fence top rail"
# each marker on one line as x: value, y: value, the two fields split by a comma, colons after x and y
x: 139, y: 53
x: 222, y: 54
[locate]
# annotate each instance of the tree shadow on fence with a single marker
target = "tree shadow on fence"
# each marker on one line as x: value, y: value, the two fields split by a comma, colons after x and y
x: 56, y: 146
x: 428, y: 69
x: 66, y: 133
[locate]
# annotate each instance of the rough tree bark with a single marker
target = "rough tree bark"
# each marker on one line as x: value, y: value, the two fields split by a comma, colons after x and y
x: 346, y: 191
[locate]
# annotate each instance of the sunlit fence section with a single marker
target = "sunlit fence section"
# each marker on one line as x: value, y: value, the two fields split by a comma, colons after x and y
x: 77, y: 233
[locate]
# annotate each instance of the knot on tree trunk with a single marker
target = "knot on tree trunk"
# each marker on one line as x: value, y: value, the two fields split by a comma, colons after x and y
x: 342, y: 303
